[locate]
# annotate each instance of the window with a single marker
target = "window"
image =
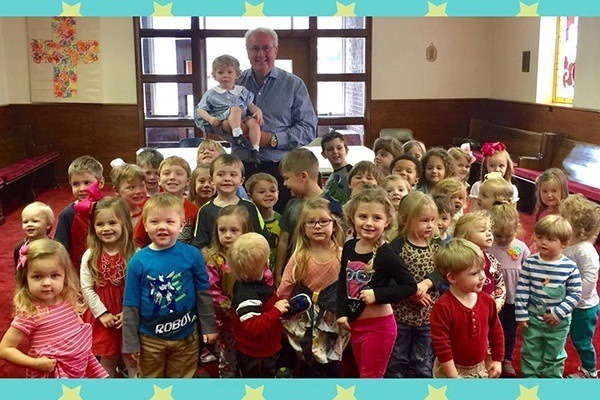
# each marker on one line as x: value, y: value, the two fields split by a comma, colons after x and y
x: 174, y: 68
x: 566, y: 57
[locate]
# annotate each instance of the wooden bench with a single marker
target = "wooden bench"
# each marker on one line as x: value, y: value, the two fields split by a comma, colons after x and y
x: 580, y: 161
x: 24, y: 165
x: 532, y: 150
x: 533, y: 153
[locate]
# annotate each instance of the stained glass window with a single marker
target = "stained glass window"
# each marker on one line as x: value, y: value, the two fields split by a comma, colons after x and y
x: 566, y: 57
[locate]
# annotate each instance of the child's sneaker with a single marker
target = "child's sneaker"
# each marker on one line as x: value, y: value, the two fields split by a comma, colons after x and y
x: 508, y: 371
x: 283, y: 372
x: 243, y: 142
x: 298, y: 304
x: 206, y: 356
x: 254, y: 158
x: 583, y: 373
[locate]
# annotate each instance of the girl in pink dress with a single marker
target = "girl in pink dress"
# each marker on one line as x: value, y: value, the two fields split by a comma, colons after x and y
x: 103, y: 265
x: 47, y: 314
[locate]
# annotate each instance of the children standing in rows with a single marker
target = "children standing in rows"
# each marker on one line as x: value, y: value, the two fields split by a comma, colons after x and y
x: 36, y: 222
x: 464, y: 320
x: 386, y: 149
x: 416, y: 246
x: 584, y: 217
x: 264, y: 193
x: 408, y: 167
x: 202, y: 189
x: 149, y: 160
x: 371, y: 277
x: 335, y: 149
x: 437, y: 165
x: 86, y: 180
x: 495, y: 159
x: 548, y: 290
x: 231, y: 223
x: 510, y: 253
x: 102, y: 274
x: 313, y: 269
x: 300, y: 171
x: 166, y: 297
x: 128, y: 180
x: 476, y: 227
x: 551, y: 187
x: 227, y: 172
x: 47, y: 305
x: 255, y: 310
x: 229, y: 107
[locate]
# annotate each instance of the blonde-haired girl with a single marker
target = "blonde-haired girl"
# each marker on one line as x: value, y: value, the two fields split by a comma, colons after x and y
x: 510, y: 253
x: 495, y: 159
x: 584, y: 217
x: 202, y: 188
x: 551, y: 187
x: 37, y: 219
x: 415, y: 245
x: 313, y: 269
x: 462, y: 158
x: 494, y: 190
x: 47, y: 309
x: 371, y: 277
x: 103, y: 266
x: 476, y: 227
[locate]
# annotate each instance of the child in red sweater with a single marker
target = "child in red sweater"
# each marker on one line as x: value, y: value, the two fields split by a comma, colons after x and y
x: 256, y: 309
x: 464, y: 321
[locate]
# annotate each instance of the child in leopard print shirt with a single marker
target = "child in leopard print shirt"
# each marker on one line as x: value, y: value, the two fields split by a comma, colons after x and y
x: 416, y: 246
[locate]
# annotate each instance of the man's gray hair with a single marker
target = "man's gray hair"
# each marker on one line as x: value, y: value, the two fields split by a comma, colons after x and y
x: 262, y: 30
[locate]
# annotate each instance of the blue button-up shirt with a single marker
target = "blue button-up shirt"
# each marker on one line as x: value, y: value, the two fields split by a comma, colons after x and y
x: 287, y: 111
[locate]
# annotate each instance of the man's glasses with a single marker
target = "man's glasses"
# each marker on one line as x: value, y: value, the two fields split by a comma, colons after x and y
x: 312, y: 223
x: 265, y: 49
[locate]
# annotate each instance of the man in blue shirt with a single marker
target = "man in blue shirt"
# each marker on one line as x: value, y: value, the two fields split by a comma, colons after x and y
x: 289, y: 116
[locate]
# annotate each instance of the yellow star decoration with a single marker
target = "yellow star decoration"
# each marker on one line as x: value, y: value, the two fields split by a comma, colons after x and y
x: 70, y: 10
x: 254, y: 394
x: 162, y: 394
x: 528, y: 11
x: 436, y: 394
x: 70, y: 394
x: 436, y: 11
x: 528, y: 394
x: 344, y: 394
x: 254, y: 11
x: 162, y: 11
x: 344, y: 11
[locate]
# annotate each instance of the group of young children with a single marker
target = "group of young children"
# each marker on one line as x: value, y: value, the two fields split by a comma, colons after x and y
x: 392, y: 257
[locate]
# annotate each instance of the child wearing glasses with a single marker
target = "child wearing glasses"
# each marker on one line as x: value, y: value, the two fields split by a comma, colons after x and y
x: 313, y: 269
x: 230, y: 107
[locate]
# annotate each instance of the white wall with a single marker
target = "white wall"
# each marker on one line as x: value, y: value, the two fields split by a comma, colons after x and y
x: 587, y: 84
x: 512, y: 36
x: 3, y: 82
x: 116, y: 50
x: 462, y: 69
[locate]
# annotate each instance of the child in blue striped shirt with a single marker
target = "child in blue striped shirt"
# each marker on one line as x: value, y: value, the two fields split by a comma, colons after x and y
x: 548, y: 289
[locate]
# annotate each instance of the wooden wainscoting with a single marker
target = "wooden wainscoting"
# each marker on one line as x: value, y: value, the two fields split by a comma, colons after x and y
x: 102, y: 131
x: 436, y: 121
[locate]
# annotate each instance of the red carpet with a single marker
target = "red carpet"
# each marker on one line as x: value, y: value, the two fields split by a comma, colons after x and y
x: 58, y: 199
